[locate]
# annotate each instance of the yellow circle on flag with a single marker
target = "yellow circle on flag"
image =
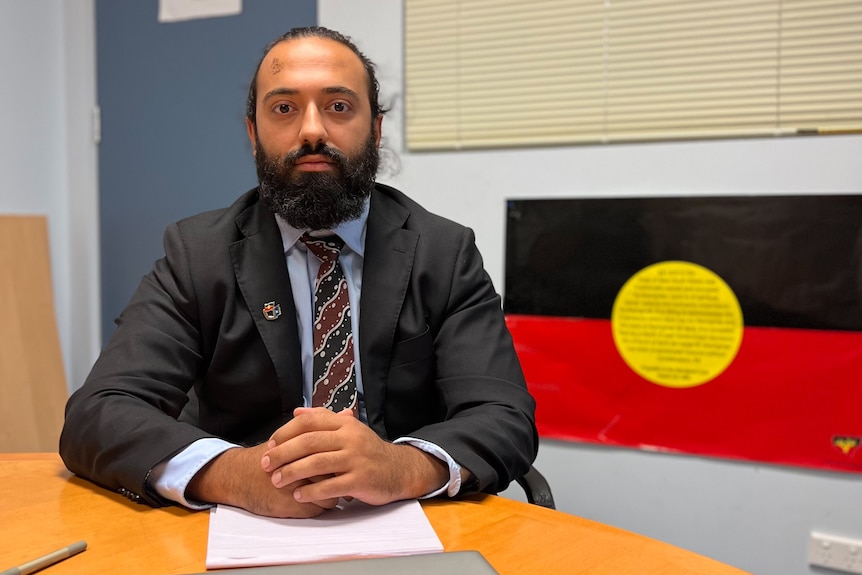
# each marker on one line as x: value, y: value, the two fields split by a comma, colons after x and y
x: 677, y: 324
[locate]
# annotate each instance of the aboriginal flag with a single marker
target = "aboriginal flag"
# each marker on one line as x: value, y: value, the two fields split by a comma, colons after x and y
x: 727, y: 326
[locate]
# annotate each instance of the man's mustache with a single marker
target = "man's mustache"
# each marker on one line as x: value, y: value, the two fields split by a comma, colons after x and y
x: 320, y: 149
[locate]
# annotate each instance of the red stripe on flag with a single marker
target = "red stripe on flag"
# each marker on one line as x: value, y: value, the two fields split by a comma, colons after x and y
x: 786, y: 398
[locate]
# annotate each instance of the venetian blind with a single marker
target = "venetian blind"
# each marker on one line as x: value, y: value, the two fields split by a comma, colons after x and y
x: 488, y: 73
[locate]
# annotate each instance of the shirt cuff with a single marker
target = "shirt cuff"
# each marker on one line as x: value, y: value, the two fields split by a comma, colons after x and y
x: 170, y: 478
x: 451, y: 487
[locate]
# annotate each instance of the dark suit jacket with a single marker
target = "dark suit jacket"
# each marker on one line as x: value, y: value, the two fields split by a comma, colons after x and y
x: 437, y: 360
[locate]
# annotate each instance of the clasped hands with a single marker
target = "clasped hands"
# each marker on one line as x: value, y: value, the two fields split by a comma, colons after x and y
x: 312, y: 461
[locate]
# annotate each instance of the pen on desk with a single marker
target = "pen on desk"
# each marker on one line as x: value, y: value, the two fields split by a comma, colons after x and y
x: 46, y: 560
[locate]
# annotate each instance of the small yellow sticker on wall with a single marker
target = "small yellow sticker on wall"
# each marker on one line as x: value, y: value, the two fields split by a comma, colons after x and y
x: 677, y: 324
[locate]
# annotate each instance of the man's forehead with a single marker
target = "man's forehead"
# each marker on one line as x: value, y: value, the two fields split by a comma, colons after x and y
x: 306, y: 54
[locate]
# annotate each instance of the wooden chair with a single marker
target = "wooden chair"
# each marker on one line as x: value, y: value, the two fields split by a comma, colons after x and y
x: 33, y: 389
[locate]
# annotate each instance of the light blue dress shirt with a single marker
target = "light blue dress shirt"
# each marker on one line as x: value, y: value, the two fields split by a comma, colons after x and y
x: 171, y: 478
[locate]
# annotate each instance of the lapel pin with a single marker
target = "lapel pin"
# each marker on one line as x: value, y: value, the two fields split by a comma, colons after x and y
x: 271, y: 310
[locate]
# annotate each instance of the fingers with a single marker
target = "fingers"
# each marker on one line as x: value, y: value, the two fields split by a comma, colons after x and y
x: 323, y: 501
x: 317, y: 478
x: 312, y: 431
x: 322, y: 465
x: 302, y: 410
x: 329, y: 489
x: 297, y: 510
x: 297, y: 448
x: 324, y: 504
x: 287, y: 506
x: 306, y: 419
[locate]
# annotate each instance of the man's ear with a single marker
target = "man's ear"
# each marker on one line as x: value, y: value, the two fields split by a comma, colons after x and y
x: 251, y: 136
x: 378, y: 129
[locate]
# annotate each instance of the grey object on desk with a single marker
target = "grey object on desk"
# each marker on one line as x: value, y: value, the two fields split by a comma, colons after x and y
x: 47, y: 560
x: 460, y: 562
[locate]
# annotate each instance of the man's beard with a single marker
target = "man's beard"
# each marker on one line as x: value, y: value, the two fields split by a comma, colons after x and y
x: 317, y: 200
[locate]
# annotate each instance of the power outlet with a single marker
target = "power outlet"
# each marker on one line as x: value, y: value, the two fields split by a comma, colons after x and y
x: 835, y: 552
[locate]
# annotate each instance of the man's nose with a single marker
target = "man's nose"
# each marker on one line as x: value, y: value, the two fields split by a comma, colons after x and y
x: 313, y: 129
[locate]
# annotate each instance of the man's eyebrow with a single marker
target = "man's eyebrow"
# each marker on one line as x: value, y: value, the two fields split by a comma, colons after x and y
x: 341, y: 90
x: 293, y: 92
x: 281, y: 92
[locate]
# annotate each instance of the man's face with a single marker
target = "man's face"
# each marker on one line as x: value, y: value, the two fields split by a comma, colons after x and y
x: 314, y: 141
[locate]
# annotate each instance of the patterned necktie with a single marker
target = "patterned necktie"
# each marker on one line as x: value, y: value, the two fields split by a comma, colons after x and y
x: 334, y: 378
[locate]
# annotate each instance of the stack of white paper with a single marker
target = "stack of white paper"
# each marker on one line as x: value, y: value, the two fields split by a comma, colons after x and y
x: 239, y: 538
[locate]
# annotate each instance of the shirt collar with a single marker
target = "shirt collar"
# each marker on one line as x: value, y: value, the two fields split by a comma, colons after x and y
x: 352, y: 232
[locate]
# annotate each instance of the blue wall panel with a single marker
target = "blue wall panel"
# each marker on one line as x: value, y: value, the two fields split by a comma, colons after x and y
x: 172, y: 98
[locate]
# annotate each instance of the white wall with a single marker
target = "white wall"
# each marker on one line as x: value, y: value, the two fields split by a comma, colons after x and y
x: 80, y: 324
x: 47, y: 154
x: 32, y: 141
x: 755, y: 517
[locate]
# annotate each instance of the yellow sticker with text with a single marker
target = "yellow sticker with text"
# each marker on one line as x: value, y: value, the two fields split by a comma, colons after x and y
x: 677, y: 324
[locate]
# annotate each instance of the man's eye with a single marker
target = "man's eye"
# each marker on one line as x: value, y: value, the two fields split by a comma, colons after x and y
x: 282, y: 108
x: 340, y: 107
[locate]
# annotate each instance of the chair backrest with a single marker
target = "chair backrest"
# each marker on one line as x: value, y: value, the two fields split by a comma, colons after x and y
x: 536, y: 488
x: 33, y: 389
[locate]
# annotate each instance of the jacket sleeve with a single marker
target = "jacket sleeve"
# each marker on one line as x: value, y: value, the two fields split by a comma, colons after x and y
x: 123, y: 420
x: 489, y: 422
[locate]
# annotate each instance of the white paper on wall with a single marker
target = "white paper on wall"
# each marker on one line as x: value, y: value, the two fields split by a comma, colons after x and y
x: 178, y: 10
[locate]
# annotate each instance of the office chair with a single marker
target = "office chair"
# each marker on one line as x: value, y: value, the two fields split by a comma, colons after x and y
x: 536, y: 488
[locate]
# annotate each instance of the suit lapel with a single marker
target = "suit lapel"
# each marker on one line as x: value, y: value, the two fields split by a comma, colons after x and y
x: 261, y: 272
x: 388, y: 262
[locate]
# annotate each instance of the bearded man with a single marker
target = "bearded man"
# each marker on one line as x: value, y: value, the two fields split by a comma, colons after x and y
x: 338, y: 339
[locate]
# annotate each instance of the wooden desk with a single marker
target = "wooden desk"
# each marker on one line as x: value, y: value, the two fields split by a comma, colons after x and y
x: 43, y: 507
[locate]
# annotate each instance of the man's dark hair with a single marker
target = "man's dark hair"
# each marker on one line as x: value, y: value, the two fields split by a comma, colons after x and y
x: 317, y: 32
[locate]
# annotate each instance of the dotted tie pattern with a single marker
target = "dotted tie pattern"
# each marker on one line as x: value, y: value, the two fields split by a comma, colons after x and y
x: 334, y: 376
